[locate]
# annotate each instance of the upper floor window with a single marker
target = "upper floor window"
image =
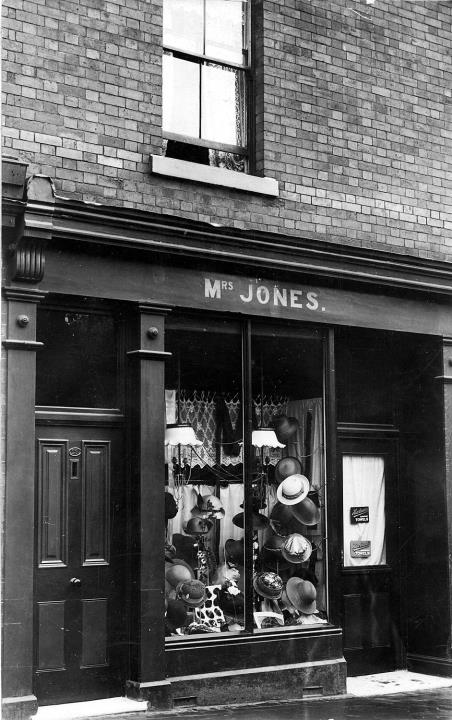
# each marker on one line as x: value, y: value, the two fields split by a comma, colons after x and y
x: 205, y: 65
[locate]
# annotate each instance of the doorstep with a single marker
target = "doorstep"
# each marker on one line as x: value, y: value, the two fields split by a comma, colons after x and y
x: 90, y: 709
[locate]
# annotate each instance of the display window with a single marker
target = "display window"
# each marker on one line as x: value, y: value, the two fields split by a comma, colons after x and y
x: 245, y: 494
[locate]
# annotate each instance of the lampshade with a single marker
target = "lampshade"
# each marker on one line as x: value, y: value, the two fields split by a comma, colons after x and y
x: 181, y: 434
x: 265, y: 437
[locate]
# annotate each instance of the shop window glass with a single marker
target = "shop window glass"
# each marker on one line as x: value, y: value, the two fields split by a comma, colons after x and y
x: 207, y: 545
x: 364, y: 510
x: 77, y: 367
x: 204, y: 73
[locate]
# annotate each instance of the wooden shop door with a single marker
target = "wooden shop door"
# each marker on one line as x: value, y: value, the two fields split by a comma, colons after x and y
x: 80, y: 543
x: 370, y: 573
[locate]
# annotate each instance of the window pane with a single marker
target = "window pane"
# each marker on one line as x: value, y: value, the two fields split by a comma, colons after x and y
x: 180, y: 96
x: 183, y: 25
x: 289, y: 480
x: 364, y: 510
x: 223, y: 105
x: 204, y: 558
x: 77, y: 367
x: 225, y: 30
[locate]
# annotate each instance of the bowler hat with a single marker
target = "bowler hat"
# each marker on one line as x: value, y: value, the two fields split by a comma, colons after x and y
x: 296, y: 549
x: 191, y: 592
x: 302, y: 594
x: 285, y: 427
x: 198, y: 526
x: 306, y: 511
x: 287, y: 466
x: 293, y: 489
x: 268, y: 585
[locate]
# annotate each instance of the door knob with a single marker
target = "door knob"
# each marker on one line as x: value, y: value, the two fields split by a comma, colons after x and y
x: 75, y: 581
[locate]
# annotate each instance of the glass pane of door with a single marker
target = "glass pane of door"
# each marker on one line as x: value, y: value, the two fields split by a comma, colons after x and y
x: 364, y: 510
x: 288, y: 478
x: 204, y: 555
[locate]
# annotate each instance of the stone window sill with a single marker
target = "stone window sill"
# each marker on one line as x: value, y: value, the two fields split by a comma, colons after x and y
x: 170, y: 167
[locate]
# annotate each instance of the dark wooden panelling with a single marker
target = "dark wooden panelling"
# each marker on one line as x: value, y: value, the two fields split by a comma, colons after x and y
x: 96, y: 502
x: 380, y: 620
x: 52, y: 503
x: 51, y: 636
x: 353, y: 621
x: 94, y: 632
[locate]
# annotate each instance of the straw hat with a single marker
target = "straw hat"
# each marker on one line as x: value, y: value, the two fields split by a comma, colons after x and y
x: 293, y: 489
x: 296, y: 549
x: 302, y: 594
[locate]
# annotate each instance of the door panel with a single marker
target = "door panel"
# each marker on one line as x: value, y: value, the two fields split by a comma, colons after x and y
x: 79, y: 616
x: 371, y: 558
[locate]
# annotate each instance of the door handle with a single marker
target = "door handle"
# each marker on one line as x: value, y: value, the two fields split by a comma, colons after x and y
x: 75, y: 581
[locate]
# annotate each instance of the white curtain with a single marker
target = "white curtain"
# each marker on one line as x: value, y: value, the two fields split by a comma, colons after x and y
x: 364, y: 487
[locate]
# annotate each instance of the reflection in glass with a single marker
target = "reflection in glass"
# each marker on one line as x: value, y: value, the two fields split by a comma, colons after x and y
x: 223, y: 105
x: 180, y: 112
x: 183, y: 25
x: 225, y: 30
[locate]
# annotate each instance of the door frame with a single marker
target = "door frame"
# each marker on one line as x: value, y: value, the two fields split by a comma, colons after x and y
x: 375, y: 439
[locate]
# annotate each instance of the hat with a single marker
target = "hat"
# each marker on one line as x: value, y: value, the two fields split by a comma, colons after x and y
x: 176, y: 573
x: 285, y: 467
x: 198, y: 526
x: 191, y: 592
x: 296, y: 548
x: 293, y: 489
x: 283, y: 522
x: 306, y: 511
x: 234, y: 551
x: 212, y: 505
x: 186, y: 547
x: 231, y: 604
x: 259, y: 521
x: 268, y: 585
x: 302, y: 594
x: 285, y: 427
x: 176, y: 614
x: 273, y: 546
x: 170, y: 506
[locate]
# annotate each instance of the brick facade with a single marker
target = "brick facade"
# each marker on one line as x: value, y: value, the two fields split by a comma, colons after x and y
x: 352, y: 116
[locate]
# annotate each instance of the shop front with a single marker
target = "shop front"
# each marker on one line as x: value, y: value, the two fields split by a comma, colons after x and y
x: 230, y: 499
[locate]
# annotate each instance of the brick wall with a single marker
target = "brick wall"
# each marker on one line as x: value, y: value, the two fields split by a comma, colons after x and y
x: 353, y: 114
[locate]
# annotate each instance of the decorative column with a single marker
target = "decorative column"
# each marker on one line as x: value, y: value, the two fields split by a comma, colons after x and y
x: 146, y: 393
x: 446, y: 380
x: 20, y: 345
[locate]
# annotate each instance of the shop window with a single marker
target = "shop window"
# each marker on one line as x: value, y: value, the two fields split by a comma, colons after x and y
x: 205, y: 86
x: 276, y: 459
x: 77, y: 367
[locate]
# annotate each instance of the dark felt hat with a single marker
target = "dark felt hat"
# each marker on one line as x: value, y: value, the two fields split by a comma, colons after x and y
x: 234, y: 551
x: 259, y: 521
x: 306, y: 511
x: 285, y: 427
x: 282, y: 521
x: 191, y: 592
x: 176, y: 614
x: 287, y: 466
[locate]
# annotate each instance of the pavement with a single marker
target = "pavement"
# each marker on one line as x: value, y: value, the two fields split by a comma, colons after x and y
x: 400, y: 695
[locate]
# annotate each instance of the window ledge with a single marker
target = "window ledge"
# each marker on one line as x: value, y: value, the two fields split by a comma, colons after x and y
x: 195, y: 172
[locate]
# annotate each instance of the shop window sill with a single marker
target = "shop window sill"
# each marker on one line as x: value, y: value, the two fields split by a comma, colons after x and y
x: 195, y: 172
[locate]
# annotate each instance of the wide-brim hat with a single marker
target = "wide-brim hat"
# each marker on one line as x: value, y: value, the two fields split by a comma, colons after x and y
x: 302, y: 594
x: 306, y: 511
x: 268, y: 585
x: 293, y: 489
x: 283, y: 522
x: 234, y: 550
x: 198, y: 526
x: 296, y: 549
x: 178, y: 572
x: 259, y: 521
x: 284, y: 427
x: 176, y: 614
x: 191, y: 592
x: 287, y: 466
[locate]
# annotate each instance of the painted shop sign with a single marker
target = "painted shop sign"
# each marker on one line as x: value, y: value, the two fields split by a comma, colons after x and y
x: 257, y: 293
x: 129, y: 280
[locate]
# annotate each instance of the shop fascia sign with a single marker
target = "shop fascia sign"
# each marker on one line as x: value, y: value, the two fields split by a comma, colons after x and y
x: 256, y: 292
